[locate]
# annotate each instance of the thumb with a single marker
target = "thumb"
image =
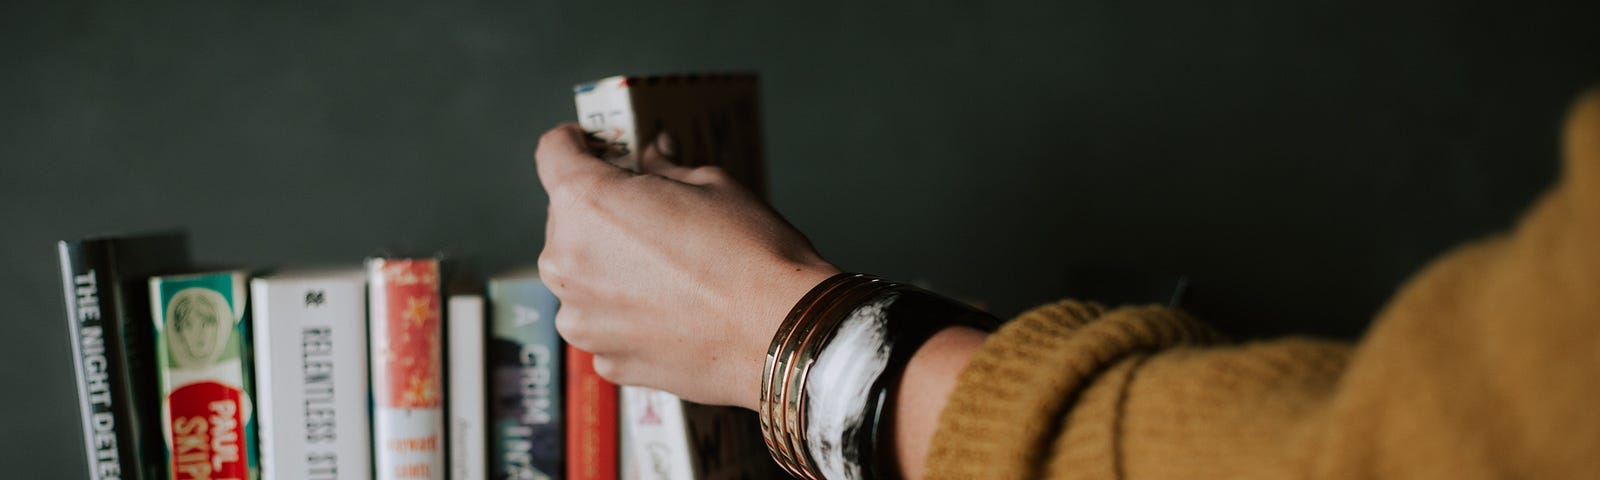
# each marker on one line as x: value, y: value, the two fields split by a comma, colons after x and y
x: 563, y: 160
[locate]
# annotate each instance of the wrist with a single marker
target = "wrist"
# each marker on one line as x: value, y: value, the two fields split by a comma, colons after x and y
x: 925, y: 387
x: 787, y: 286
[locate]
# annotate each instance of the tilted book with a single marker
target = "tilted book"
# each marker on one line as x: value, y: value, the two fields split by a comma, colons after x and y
x: 525, y: 356
x: 106, y: 285
x: 466, y: 399
x: 406, y: 335
x: 311, y: 366
x: 713, y: 120
x: 202, y: 352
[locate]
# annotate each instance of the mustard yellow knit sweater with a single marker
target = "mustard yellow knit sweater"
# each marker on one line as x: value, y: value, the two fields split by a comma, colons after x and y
x: 1485, y: 365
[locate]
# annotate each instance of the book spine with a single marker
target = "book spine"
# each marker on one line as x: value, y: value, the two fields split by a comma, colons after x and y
x: 105, y: 404
x: 407, y: 369
x: 592, y: 426
x: 202, y: 342
x: 605, y: 109
x: 655, y: 435
x: 526, y: 362
x: 311, y: 356
x: 467, y: 402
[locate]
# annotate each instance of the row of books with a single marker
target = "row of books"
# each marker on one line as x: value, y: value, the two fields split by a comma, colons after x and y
x: 390, y: 371
x: 386, y: 371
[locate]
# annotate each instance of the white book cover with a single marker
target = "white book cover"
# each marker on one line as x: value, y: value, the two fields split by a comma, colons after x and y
x: 310, y: 333
x: 466, y: 401
x: 654, y: 434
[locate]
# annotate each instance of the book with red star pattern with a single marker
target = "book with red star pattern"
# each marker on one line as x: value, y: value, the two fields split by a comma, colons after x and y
x: 407, y: 368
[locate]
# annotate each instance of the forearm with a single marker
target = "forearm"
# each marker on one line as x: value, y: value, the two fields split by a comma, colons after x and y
x: 925, y: 386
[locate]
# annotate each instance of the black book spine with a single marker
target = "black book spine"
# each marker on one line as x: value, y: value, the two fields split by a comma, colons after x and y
x: 104, y: 401
x: 112, y: 359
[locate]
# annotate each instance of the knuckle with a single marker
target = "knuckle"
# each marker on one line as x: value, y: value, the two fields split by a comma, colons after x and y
x: 711, y: 173
x: 610, y: 369
x: 551, y: 267
x: 571, y: 328
x: 579, y: 192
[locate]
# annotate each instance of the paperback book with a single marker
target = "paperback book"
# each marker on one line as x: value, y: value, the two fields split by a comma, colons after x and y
x: 466, y: 401
x: 407, y: 368
x: 592, y: 452
x: 106, y: 286
x: 202, y: 353
x: 525, y: 355
x: 311, y: 362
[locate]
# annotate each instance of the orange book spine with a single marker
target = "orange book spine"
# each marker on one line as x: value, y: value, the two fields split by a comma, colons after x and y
x: 592, y: 420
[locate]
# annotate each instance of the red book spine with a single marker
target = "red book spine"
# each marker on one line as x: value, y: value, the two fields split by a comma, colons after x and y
x: 592, y: 421
x: 407, y: 366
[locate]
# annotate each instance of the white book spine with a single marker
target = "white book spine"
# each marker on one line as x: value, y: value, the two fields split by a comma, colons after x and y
x: 311, y: 366
x: 469, y: 458
x: 655, y: 434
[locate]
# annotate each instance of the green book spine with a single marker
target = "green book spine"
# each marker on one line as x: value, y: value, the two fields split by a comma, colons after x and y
x: 202, y: 341
x: 525, y: 364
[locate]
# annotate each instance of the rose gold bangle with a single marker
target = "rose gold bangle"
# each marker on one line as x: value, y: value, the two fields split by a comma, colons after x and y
x: 788, y: 359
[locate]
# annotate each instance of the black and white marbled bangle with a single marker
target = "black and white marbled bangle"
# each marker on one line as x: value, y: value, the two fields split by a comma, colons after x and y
x: 833, y: 368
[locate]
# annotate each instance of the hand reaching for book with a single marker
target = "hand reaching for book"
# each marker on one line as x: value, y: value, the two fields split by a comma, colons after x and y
x: 675, y: 277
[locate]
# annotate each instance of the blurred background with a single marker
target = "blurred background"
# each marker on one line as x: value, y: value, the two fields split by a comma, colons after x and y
x: 1295, y: 161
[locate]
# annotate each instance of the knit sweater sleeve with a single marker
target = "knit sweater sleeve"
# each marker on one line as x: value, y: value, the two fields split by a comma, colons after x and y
x: 1482, y: 366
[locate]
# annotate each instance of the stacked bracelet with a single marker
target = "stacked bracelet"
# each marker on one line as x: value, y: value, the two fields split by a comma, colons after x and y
x: 832, y: 369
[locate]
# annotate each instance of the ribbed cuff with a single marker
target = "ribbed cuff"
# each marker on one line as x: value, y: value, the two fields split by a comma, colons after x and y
x: 1011, y: 402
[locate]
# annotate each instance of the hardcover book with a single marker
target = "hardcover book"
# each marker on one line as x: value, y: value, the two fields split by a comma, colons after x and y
x: 467, y: 380
x: 311, y: 361
x: 526, y: 363
x: 406, y: 338
x: 202, y: 352
x: 106, y: 285
x: 713, y: 120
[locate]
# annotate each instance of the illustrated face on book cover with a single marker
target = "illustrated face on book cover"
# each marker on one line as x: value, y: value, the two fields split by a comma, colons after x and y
x: 197, y: 318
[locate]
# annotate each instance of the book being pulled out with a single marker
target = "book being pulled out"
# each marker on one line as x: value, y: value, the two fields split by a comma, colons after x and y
x: 714, y: 119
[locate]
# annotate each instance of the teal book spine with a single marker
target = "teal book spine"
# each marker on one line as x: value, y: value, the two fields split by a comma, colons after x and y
x: 525, y: 364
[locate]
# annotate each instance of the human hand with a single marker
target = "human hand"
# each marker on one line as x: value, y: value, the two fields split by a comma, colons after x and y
x: 675, y: 278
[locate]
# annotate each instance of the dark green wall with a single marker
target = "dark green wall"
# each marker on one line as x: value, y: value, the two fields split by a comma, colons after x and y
x: 1296, y: 159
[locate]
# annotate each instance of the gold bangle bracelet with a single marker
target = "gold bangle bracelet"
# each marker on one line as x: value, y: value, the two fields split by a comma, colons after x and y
x: 793, y: 346
x: 776, y: 365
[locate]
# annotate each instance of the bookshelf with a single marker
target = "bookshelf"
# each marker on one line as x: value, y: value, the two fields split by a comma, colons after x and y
x: 1050, y: 134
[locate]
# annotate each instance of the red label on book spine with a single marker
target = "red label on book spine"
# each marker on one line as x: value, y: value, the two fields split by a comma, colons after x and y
x: 591, y: 421
x: 411, y: 292
x: 208, y: 429
x: 407, y: 366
